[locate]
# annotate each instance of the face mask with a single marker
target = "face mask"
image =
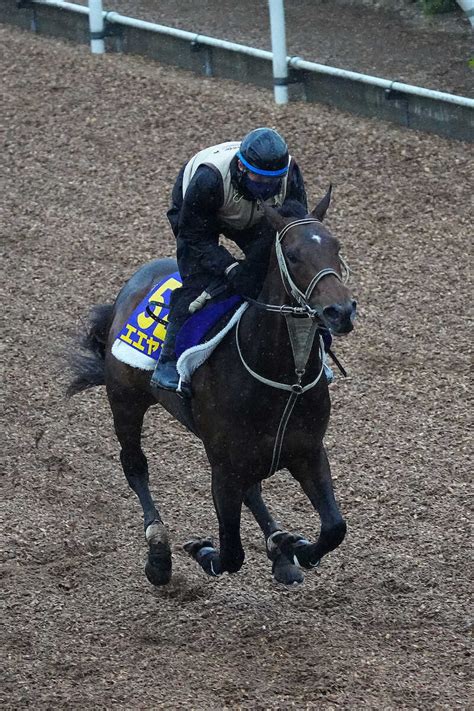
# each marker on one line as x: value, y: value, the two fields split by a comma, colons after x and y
x: 264, y: 191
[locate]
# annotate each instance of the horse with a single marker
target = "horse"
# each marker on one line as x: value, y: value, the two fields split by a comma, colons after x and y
x: 259, y: 404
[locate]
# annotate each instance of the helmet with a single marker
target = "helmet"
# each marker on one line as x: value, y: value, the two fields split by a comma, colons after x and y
x: 263, y: 151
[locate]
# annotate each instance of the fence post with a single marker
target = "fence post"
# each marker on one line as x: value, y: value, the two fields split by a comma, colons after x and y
x: 96, y: 27
x: 280, y: 67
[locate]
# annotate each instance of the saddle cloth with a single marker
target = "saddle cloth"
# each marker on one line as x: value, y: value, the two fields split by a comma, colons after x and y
x: 193, y: 357
x: 140, y: 340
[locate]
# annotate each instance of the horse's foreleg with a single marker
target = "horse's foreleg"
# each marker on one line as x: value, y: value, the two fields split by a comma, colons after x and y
x: 283, y: 569
x: 128, y: 415
x: 227, y: 493
x: 315, y: 479
x: 254, y: 501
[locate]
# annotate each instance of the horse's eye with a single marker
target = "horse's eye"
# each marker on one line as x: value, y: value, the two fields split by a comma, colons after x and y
x: 291, y: 256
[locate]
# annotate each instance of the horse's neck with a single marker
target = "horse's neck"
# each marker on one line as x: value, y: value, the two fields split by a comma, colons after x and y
x: 265, y: 334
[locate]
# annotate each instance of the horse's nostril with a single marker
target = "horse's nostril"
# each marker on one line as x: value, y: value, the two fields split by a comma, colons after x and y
x: 331, y: 312
x: 340, y: 317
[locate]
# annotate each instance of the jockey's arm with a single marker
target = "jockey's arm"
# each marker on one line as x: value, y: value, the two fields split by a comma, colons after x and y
x: 198, y: 224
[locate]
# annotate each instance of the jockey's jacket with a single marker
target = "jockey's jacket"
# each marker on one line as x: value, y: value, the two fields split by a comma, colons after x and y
x: 206, y: 203
x: 236, y: 212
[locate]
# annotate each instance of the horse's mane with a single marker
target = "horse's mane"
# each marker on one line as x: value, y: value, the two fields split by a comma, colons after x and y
x: 293, y: 208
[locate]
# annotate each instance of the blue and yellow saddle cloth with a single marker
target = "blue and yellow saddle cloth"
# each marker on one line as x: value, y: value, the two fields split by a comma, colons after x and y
x: 139, y: 342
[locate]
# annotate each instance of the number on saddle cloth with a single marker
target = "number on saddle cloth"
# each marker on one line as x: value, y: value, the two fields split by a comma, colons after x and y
x: 139, y: 342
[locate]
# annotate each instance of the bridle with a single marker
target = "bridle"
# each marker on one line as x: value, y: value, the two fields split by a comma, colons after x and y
x: 302, y: 298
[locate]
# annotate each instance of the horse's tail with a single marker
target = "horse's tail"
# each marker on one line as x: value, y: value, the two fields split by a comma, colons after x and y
x: 88, y: 360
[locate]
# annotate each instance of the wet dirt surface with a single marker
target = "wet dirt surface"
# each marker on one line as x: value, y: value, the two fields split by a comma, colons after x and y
x: 91, y: 146
x: 402, y: 45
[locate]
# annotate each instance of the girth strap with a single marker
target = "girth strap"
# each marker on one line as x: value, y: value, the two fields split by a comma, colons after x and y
x: 281, y: 432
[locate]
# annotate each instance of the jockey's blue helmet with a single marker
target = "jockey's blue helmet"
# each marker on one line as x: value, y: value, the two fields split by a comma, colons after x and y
x: 264, y: 151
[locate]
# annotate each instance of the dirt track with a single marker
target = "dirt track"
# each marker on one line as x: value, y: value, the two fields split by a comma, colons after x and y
x: 90, y: 151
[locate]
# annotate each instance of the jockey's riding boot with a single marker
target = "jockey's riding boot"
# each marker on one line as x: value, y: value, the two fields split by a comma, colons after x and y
x: 165, y: 374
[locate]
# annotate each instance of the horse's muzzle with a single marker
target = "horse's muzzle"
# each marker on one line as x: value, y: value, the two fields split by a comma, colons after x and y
x: 339, y: 318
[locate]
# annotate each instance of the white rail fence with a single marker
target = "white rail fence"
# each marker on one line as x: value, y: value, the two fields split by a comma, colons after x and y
x: 412, y: 106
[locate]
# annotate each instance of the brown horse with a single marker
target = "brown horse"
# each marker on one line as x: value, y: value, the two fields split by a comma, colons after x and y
x: 260, y: 403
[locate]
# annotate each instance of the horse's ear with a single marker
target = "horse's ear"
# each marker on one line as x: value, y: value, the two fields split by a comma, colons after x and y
x: 273, y: 217
x: 322, y: 206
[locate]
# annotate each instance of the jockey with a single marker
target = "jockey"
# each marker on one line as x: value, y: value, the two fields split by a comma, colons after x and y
x: 217, y: 193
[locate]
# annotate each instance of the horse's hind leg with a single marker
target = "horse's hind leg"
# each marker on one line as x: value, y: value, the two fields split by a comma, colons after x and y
x: 314, y: 476
x: 128, y: 412
x: 283, y: 569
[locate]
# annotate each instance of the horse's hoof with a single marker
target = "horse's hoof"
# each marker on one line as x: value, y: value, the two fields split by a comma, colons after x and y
x: 284, y: 543
x: 285, y: 572
x: 194, y: 545
x: 202, y: 550
x: 156, y: 575
x: 303, y: 552
x: 158, y: 566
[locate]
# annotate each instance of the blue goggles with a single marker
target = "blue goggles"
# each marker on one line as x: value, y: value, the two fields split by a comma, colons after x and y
x: 261, y: 171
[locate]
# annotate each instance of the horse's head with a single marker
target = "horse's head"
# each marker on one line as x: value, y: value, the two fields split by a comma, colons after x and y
x: 311, y: 267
